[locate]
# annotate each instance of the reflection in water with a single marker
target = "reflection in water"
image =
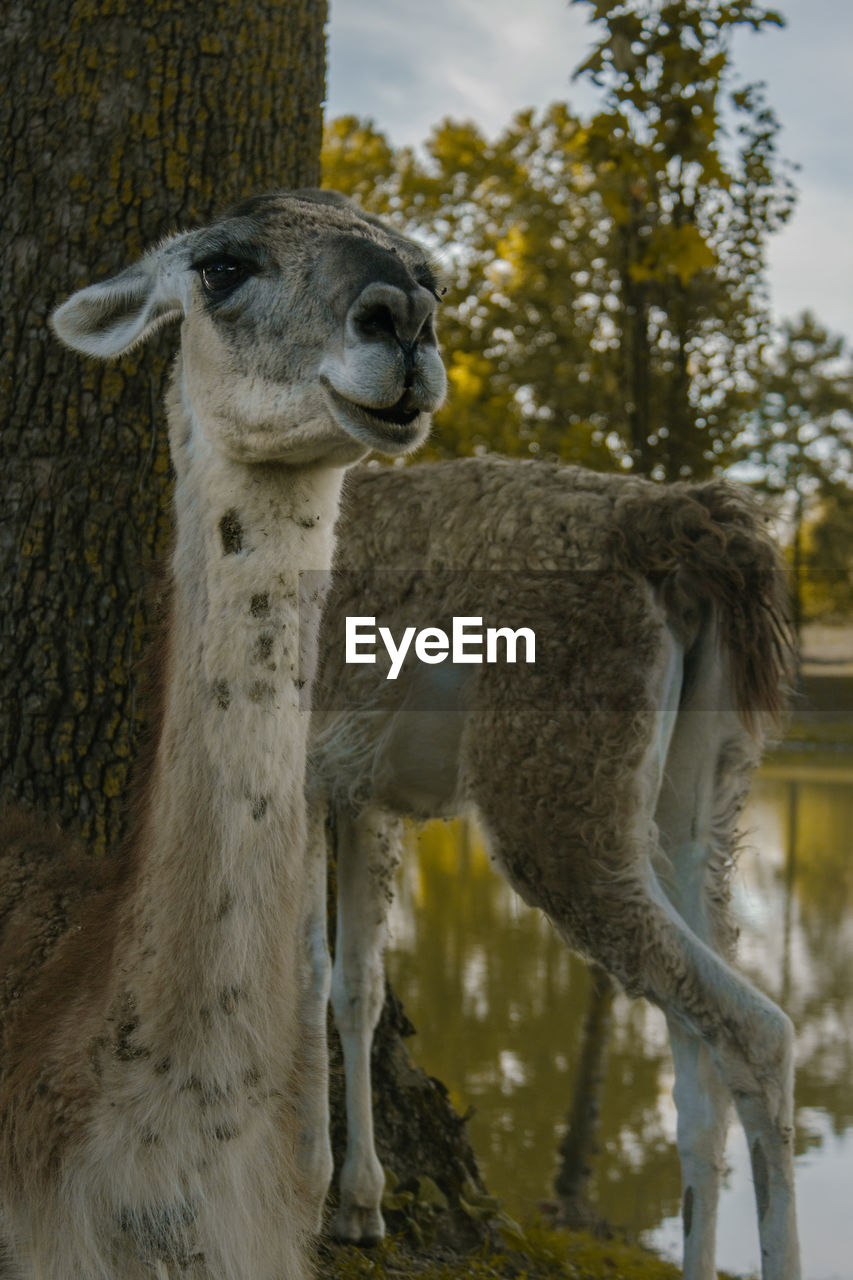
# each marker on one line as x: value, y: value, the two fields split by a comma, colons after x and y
x: 579, y: 1144
x: 499, y: 1005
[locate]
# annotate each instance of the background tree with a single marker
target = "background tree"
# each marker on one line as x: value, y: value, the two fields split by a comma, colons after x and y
x: 607, y: 301
x: 799, y: 441
x: 688, y: 219
x: 514, y: 232
x: 828, y: 579
x: 120, y: 120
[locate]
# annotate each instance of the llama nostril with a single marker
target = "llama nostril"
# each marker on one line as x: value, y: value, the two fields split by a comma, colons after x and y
x: 380, y: 321
x: 384, y: 312
x: 376, y: 321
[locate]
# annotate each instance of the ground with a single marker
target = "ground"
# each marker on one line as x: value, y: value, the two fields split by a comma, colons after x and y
x: 536, y: 1252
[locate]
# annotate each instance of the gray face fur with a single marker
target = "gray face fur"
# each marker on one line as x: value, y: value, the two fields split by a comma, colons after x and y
x: 307, y: 328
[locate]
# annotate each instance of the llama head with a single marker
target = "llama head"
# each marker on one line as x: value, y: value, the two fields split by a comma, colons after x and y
x: 307, y: 329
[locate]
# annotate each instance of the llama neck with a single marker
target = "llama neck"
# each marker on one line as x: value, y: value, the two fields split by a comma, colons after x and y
x: 222, y: 837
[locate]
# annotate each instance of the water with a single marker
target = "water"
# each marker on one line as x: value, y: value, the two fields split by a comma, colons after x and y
x: 499, y: 1005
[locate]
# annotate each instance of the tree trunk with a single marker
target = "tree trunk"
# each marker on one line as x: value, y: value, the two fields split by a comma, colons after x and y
x: 635, y: 353
x: 797, y: 588
x: 121, y: 120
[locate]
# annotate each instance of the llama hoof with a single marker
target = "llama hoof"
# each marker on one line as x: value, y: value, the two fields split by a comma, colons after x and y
x: 356, y: 1225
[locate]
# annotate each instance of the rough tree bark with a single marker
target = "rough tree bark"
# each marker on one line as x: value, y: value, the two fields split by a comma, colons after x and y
x: 120, y: 120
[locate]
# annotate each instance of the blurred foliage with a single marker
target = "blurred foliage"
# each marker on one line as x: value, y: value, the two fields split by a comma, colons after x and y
x: 828, y: 583
x: 690, y: 213
x: 606, y: 300
x: 799, y: 439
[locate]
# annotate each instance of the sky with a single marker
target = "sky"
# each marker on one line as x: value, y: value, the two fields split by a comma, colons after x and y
x: 405, y: 64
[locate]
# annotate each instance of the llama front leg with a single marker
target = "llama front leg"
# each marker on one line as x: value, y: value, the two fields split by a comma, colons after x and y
x: 368, y: 854
x: 315, y: 1150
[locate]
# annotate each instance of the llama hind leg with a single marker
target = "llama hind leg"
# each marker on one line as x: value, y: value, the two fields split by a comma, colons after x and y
x: 684, y: 763
x: 724, y: 1029
x: 591, y: 868
x: 702, y: 794
x: 681, y: 768
x: 696, y: 822
x: 726, y: 1035
x: 368, y: 854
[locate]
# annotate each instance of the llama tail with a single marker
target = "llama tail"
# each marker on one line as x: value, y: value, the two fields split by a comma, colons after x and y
x: 708, y: 545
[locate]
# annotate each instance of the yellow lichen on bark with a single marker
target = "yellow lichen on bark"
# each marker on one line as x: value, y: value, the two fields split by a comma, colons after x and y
x: 129, y: 120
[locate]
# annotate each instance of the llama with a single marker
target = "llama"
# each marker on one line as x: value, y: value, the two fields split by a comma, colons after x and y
x: 608, y: 776
x: 151, y: 1041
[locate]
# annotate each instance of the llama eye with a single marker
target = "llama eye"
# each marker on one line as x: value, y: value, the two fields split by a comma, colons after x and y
x: 220, y: 276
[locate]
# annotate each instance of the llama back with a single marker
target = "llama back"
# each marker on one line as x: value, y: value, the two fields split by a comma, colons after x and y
x: 477, y: 514
x: 704, y: 548
x: 600, y: 567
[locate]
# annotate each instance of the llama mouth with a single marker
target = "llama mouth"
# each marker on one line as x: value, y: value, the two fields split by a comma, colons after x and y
x: 399, y: 414
x: 402, y: 423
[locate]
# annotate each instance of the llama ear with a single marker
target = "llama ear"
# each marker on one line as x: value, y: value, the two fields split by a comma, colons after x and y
x: 109, y: 318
